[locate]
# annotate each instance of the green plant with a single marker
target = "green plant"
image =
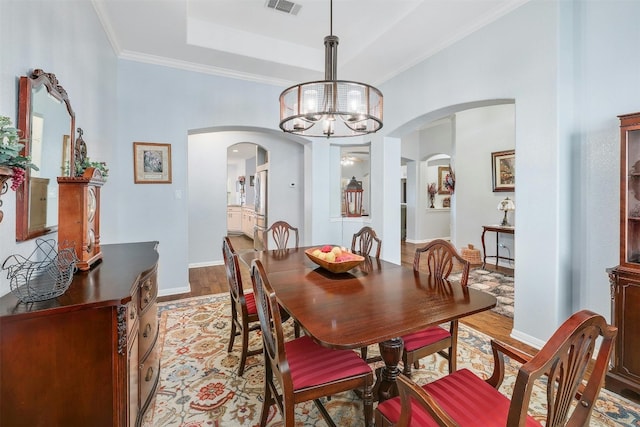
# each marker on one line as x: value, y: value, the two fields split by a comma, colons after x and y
x: 10, y: 147
x: 87, y: 163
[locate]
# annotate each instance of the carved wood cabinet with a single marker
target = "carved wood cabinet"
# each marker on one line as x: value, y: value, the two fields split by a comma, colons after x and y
x: 89, y: 357
x: 624, y: 376
x: 79, y: 215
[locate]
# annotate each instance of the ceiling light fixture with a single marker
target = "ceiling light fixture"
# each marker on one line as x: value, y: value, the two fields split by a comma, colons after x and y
x: 331, y: 108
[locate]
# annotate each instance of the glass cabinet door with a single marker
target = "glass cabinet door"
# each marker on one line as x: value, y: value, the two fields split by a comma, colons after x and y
x: 630, y: 191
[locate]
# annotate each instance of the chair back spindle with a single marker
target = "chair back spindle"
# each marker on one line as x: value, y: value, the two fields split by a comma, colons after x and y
x: 362, y: 242
x: 281, y: 231
x: 441, y: 258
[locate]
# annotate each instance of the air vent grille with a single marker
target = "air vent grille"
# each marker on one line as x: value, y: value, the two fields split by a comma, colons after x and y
x: 284, y: 6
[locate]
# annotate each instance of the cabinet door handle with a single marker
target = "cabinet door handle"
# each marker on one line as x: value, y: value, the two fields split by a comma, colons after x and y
x: 147, y: 330
x: 149, y: 375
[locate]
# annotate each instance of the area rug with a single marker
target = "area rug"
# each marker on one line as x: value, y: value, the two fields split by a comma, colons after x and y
x: 199, y: 385
x: 497, y: 284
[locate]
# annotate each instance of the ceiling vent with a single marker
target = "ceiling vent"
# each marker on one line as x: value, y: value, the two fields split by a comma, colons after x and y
x: 284, y: 6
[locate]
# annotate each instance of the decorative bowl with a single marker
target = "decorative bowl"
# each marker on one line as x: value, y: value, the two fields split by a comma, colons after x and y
x: 335, y: 267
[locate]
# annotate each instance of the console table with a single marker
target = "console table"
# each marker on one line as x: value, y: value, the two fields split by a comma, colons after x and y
x: 496, y: 229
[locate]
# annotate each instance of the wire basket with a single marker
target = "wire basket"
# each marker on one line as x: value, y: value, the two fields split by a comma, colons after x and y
x: 44, y: 275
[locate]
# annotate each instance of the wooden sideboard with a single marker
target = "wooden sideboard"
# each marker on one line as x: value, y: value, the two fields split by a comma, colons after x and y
x: 89, y: 357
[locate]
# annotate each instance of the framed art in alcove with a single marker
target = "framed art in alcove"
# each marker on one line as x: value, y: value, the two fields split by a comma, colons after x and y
x: 503, y: 170
x: 151, y: 163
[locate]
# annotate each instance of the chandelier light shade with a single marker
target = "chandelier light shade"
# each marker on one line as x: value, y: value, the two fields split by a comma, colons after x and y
x: 331, y: 107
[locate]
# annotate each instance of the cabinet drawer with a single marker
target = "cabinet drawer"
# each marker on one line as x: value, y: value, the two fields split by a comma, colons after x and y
x: 148, y: 291
x: 149, y: 374
x: 148, y: 333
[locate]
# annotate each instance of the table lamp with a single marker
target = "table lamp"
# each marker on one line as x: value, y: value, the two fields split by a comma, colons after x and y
x: 506, y: 205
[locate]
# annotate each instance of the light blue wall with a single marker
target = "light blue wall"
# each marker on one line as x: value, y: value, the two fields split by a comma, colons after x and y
x: 513, y: 58
x: 65, y: 38
x: 607, y: 83
x: 160, y: 104
x: 568, y: 65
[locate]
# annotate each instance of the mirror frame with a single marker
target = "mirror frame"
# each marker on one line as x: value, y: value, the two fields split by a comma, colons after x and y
x: 27, y: 84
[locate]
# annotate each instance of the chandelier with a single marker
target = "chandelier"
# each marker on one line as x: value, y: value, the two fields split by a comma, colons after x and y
x: 331, y: 107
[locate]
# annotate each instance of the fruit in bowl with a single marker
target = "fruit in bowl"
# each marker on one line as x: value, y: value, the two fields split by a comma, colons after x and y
x: 334, y: 258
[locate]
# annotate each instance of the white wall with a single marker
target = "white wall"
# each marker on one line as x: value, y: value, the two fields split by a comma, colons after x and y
x: 513, y: 58
x: 479, y: 132
x: 207, y: 207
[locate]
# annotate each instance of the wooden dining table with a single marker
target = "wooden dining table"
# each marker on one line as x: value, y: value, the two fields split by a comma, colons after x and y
x: 376, y: 302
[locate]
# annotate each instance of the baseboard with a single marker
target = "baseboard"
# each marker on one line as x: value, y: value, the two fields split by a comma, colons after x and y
x: 527, y: 339
x: 418, y: 242
x: 206, y: 264
x: 174, y: 291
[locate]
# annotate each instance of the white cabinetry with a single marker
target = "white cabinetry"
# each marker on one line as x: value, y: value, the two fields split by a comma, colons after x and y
x: 234, y: 218
x: 248, y: 221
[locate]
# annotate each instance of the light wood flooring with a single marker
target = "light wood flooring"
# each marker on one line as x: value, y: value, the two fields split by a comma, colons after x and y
x: 213, y: 280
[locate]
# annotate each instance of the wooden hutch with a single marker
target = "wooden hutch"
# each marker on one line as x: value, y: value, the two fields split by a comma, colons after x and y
x: 624, y: 376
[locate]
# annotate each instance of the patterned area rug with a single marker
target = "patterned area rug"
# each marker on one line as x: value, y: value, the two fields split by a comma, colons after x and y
x: 497, y: 284
x: 199, y: 385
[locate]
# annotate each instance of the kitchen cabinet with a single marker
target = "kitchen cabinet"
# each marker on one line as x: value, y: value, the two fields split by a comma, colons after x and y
x: 248, y: 221
x: 234, y: 219
x: 38, y: 203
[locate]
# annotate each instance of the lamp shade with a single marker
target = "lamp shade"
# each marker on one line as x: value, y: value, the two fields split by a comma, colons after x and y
x: 506, y: 205
x: 331, y: 107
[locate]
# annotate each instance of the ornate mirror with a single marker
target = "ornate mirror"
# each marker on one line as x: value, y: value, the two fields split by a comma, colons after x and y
x: 47, y: 121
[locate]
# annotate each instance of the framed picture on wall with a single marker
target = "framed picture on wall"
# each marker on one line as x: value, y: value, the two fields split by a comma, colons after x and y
x: 443, y: 171
x: 503, y: 170
x: 151, y: 163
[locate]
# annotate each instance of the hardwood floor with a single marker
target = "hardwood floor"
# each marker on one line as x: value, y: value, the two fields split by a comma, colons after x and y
x: 213, y: 280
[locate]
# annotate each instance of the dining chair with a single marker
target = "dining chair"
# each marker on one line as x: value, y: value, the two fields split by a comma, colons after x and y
x: 244, y: 316
x: 441, y: 259
x: 280, y: 231
x: 301, y: 369
x: 465, y: 399
x: 362, y: 242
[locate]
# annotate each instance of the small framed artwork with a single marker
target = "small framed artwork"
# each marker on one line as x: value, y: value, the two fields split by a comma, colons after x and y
x: 446, y: 202
x: 443, y: 171
x: 503, y: 170
x: 151, y: 163
x: 252, y: 180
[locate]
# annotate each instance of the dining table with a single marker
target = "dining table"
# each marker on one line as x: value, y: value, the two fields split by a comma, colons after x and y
x: 376, y: 302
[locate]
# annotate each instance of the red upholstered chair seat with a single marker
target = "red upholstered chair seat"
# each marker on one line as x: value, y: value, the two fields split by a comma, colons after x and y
x: 301, y: 370
x: 424, y: 338
x: 467, y: 398
x: 250, y: 300
x: 312, y: 364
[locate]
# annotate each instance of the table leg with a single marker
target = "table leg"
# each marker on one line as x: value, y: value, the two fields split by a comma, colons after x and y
x: 484, y: 250
x: 391, y: 352
x: 497, y: 247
